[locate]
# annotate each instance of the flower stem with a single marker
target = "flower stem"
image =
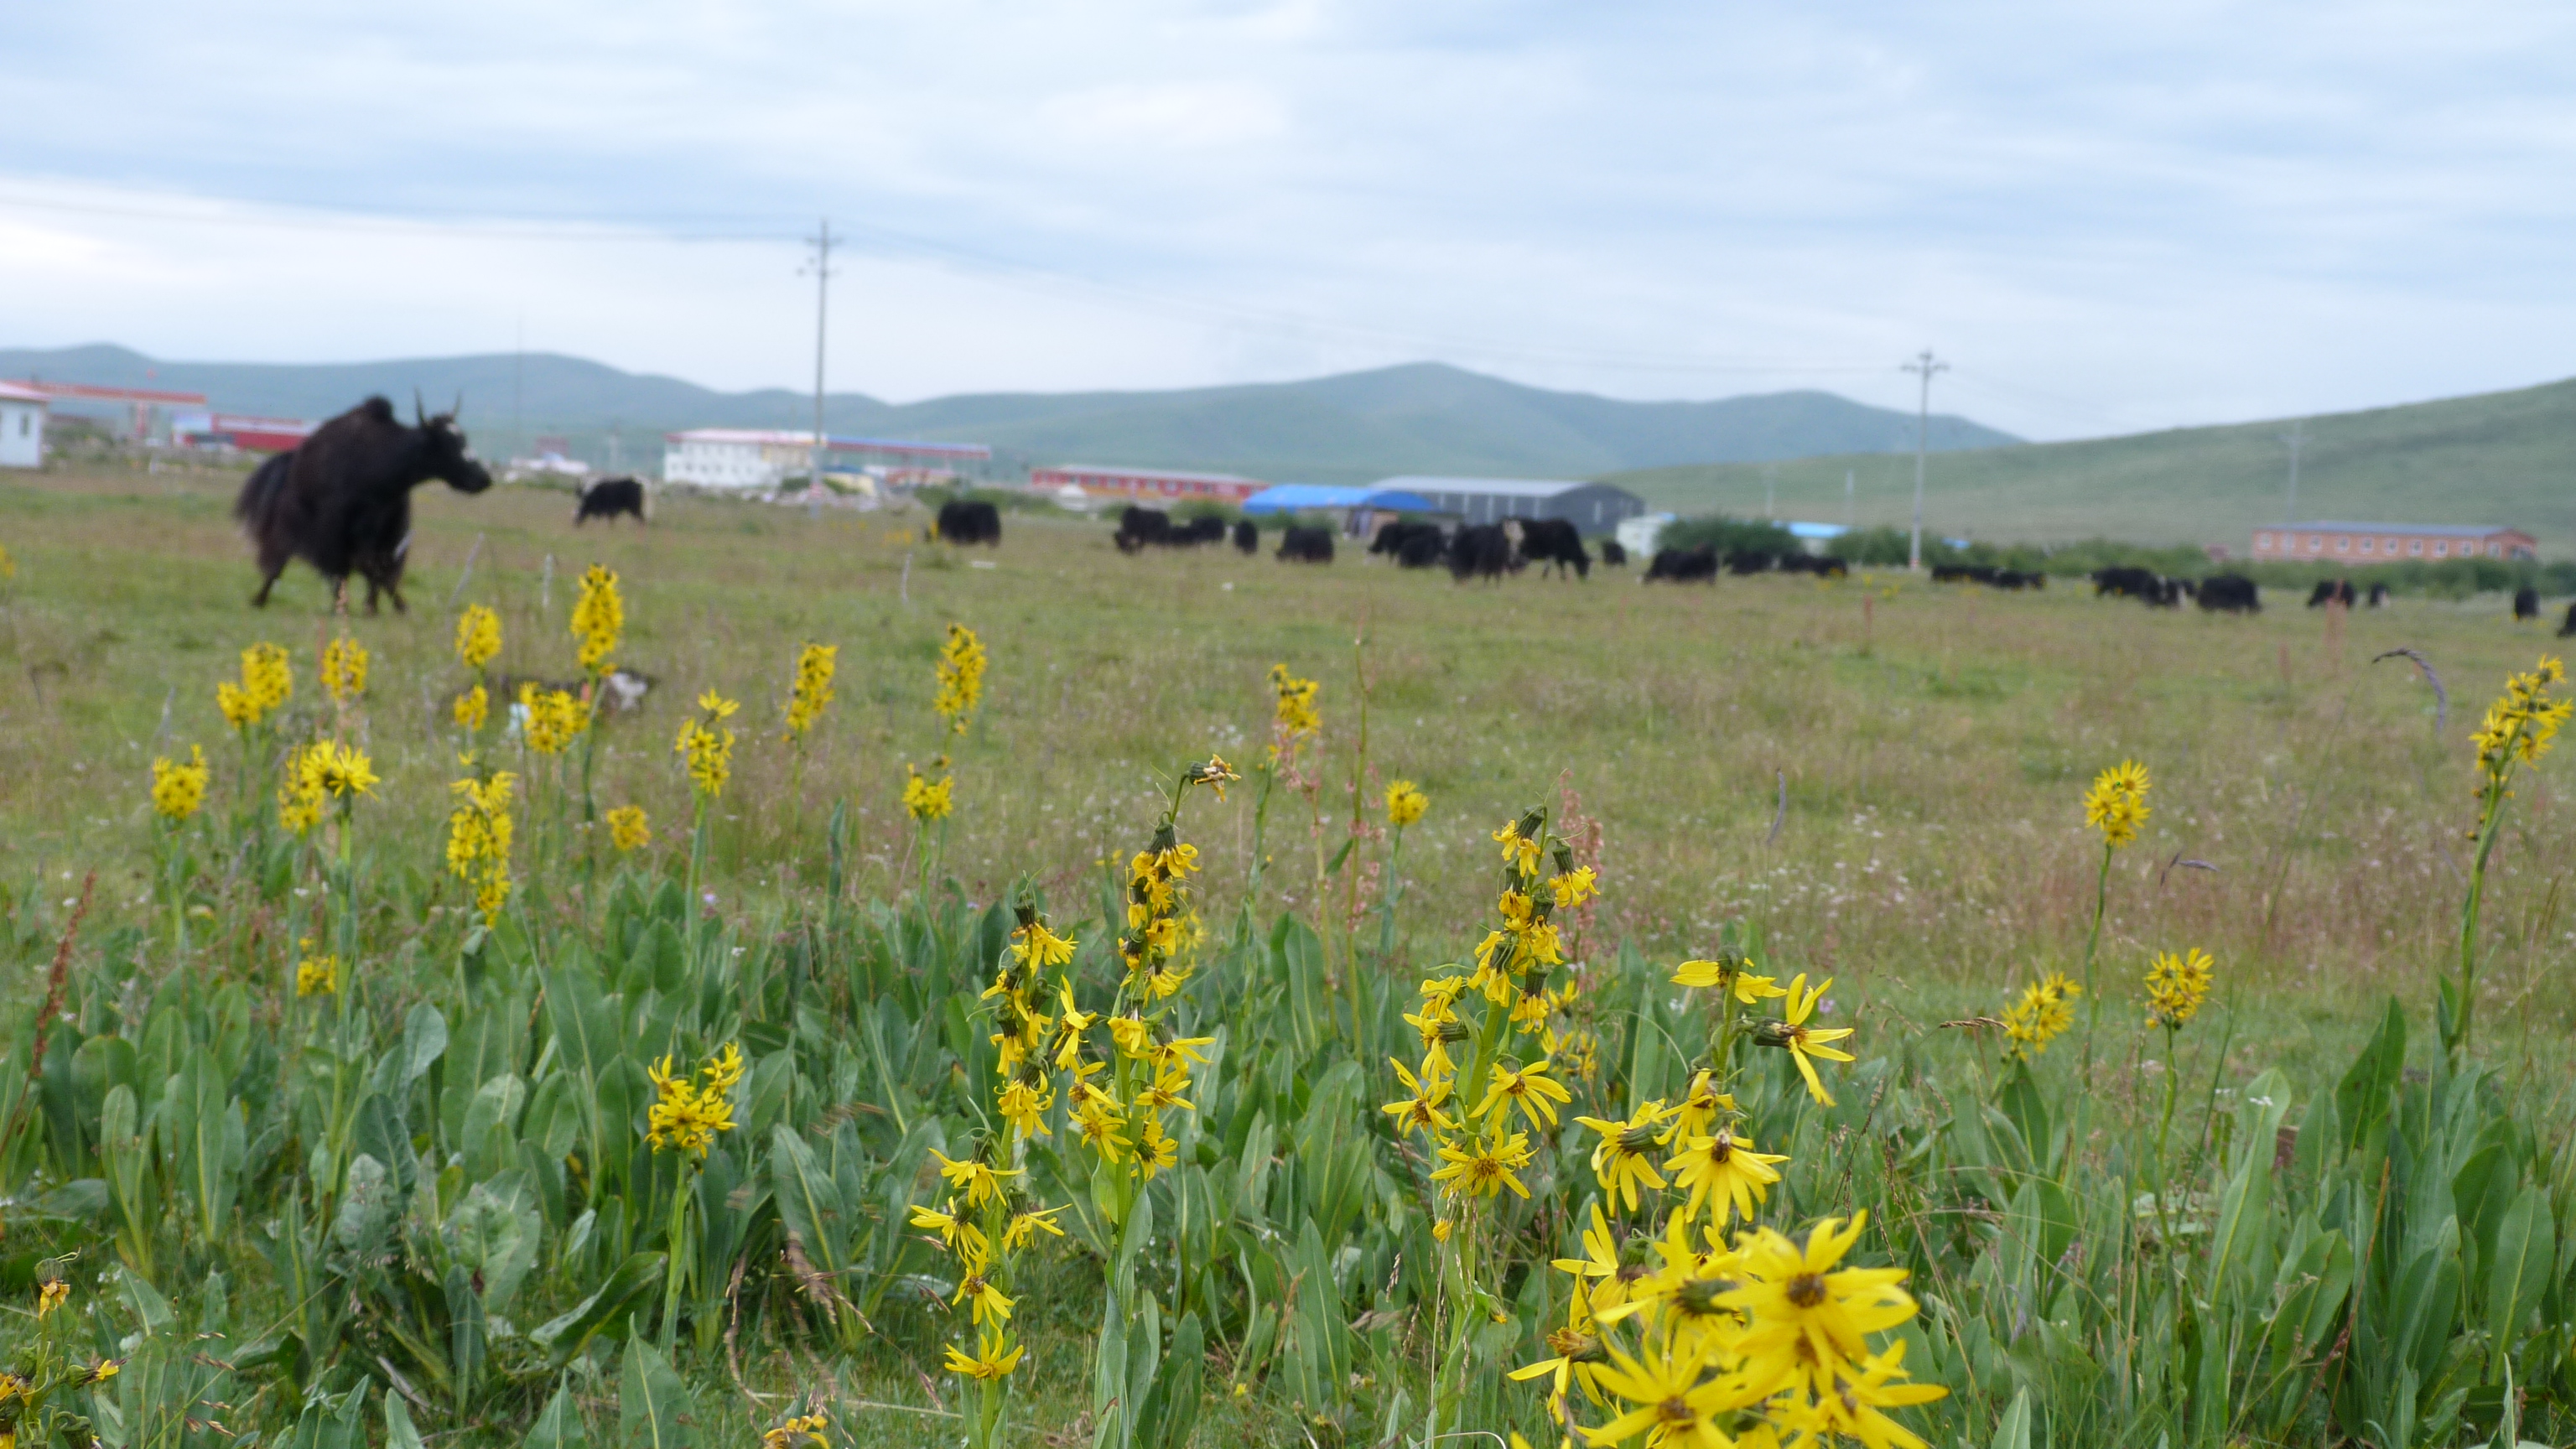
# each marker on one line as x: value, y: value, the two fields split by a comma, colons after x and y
x: 2092, y: 944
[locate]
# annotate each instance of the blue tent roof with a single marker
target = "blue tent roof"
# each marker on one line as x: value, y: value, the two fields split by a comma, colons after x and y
x: 1301, y: 497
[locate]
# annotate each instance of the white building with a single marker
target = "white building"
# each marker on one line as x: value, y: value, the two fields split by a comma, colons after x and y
x: 22, y: 426
x: 1593, y: 508
x: 755, y: 459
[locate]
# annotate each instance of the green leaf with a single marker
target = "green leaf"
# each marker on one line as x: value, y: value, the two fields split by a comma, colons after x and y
x: 654, y: 1410
x: 2013, y: 1431
x: 1183, y: 1367
x: 424, y: 1041
x: 560, y: 1426
x: 2525, y: 1251
x: 399, y: 1433
x: 566, y: 1336
x: 2361, y: 1100
x: 808, y: 1204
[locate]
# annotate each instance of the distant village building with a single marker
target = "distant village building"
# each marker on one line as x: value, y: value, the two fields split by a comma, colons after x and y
x: 2365, y: 543
x: 1158, y: 485
x: 1590, y: 507
x: 22, y: 426
x: 758, y: 459
x: 232, y: 430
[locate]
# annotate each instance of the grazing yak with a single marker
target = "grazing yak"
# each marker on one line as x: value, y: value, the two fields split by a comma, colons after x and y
x: 341, y: 500
x: 1138, y: 527
x: 1822, y: 565
x: 1306, y: 545
x: 2230, y: 593
x: 1247, y: 539
x: 2569, y: 627
x: 608, y: 498
x: 2378, y: 595
x: 1554, y: 544
x: 1614, y: 555
x: 1683, y: 565
x: 1205, y: 529
x: 1751, y: 561
x: 2124, y: 581
x: 2332, y: 591
x: 962, y: 520
x: 2526, y: 603
x: 1396, y: 535
x: 1481, y: 551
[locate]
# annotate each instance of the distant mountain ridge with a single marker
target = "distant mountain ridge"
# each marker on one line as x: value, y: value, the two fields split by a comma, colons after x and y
x: 1350, y: 427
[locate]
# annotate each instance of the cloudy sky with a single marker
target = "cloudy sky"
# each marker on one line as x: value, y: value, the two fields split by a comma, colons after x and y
x: 2106, y: 217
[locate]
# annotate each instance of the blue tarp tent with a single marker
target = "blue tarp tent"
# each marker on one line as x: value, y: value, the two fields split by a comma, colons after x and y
x: 1320, y: 498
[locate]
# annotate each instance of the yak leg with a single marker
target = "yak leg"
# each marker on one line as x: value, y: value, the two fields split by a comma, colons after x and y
x: 371, y: 596
x: 260, y: 599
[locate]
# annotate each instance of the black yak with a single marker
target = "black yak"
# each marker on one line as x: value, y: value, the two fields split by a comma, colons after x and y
x: 2127, y: 582
x: 1480, y: 551
x: 1207, y: 528
x: 1553, y: 543
x: 1614, y: 555
x: 1400, y: 538
x: 608, y: 498
x: 2378, y: 595
x: 2568, y: 627
x: 1683, y: 565
x: 1306, y: 545
x: 341, y: 500
x: 1247, y: 539
x: 2526, y: 603
x: 1138, y: 527
x: 962, y: 520
x: 2230, y: 593
x: 2331, y: 591
x: 1751, y: 561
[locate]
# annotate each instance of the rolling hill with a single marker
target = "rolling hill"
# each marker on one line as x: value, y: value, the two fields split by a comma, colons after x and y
x: 1355, y: 427
x: 2505, y: 458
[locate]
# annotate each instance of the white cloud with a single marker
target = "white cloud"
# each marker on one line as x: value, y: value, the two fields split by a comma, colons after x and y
x: 2109, y: 218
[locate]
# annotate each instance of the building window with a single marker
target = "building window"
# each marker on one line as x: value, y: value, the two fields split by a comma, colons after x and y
x: 2495, y: 550
x: 2441, y: 549
x: 2370, y: 545
x: 2262, y: 540
x: 2415, y: 546
x: 2343, y: 545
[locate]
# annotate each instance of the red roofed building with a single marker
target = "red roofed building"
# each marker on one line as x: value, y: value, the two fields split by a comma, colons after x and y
x: 1161, y: 484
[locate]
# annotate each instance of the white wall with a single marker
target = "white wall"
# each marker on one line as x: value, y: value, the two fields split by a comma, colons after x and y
x: 22, y: 435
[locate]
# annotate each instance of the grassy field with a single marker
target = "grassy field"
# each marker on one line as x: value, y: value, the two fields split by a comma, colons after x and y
x: 1876, y: 780
x: 2496, y: 458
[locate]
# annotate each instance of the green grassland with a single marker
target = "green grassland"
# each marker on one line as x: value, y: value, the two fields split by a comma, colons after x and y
x: 2498, y: 458
x: 1876, y: 780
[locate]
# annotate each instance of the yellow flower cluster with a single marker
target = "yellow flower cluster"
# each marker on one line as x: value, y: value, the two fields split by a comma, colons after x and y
x: 317, y: 775
x: 2046, y: 1009
x: 1405, y: 804
x: 812, y: 689
x: 344, y: 671
x: 317, y: 975
x: 550, y: 719
x: 267, y: 682
x: 2176, y: 986
x: 924, y: 798
x: 707, y: 750
x: 177, y: 790
x: 1294, y: 718
x: 627, y: 828
x: 960, y: 672
x: 2521, y: 723
x: 478, y: 838
x: 53, y: 1293
x: 805, y: 1431
x: 478, y: 637
x: 472, y: 708
x: 988, y: 1219
x: 598, y: 617
x: 2117, y: 803
x: 686, y: 1117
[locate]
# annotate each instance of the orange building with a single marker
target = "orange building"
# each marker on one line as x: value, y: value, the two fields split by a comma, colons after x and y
x: 1162, y: 484
x: 2369, y: 543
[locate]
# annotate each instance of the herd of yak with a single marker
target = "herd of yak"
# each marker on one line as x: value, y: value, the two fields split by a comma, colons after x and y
x: 341, y: 501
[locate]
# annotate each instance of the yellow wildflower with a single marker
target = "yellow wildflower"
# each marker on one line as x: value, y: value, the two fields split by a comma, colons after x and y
x: 1485, y: 1167
x: 627, y: 828
x: 2176, y: 986
x: 960, y: 676
x: 926, y: 799
x: 478, y: 636
x: 344, y: 670
x: 598, y: 617
x: 1804, y: 1042
x: 1405, y: 803
x: 177, y: 790
x: 472, y: 708
x: 2116, y: 805
x: 52, y: 1294
x: 317, y: 975
x: 989, y: 1362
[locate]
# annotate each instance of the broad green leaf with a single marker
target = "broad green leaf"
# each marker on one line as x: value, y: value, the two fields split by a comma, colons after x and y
x: 399, y: 1433
x: 424, y: 1041
x: 560, y: 1425
x: 563, y: 1337
x: 2526, y: 1249
x: 654, y: 1410
x: 2013, y: 1430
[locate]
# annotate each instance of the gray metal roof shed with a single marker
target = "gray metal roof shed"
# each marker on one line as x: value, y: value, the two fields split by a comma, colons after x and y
x: 1590, y: 507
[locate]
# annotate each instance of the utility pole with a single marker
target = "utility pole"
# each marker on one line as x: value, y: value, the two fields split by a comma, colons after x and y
x: 1850, y: 476
x: 1926, y: 367
x: 2295, y: 437
x: 821, y: 266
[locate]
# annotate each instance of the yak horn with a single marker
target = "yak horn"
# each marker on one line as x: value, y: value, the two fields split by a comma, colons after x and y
x: 459, y: 410
x: 419, y: 413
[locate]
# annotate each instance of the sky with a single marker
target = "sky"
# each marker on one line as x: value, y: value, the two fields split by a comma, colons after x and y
x: 2104, y: 218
